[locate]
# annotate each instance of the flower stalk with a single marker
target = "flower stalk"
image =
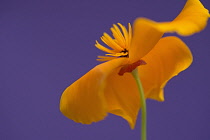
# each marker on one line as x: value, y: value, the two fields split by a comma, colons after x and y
x: 143, y: 105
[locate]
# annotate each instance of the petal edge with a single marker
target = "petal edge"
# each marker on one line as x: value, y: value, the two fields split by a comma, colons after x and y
x: 84, y: 100
x: 168, y: 58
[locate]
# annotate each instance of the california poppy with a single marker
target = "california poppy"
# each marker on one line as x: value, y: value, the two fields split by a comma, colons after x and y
x: 110, y: 88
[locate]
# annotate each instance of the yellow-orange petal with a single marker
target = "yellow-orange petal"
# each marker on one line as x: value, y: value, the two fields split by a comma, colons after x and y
x: 122, y: 96
x: 84, y: 100
x: 168, y: 58
x: 192, y: 19
x: 144, y: 39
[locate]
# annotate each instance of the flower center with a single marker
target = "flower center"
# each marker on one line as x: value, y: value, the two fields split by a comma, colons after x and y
x: 125, y: 53
x: 117, y: 46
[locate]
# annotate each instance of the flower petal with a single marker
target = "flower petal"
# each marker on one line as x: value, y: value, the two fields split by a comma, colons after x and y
x: 84, y: 100
x: 169, y: 57
x: 144, y: 39
x: 192, y: 19
x: 122, y: 96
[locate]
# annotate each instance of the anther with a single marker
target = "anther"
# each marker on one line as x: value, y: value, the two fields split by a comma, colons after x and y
x: 125, y: 51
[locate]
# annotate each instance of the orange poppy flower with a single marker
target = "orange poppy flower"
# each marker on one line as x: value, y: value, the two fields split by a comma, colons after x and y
x: 110, y: 88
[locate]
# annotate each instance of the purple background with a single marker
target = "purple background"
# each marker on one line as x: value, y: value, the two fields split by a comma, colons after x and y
x: 45, y: 45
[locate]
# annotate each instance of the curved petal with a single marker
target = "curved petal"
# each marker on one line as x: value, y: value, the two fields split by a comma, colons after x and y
x: 169, y: 57
x: 144, y: 39
x: 122, y: 96
x: 84, y: 100
x: 192, y: 19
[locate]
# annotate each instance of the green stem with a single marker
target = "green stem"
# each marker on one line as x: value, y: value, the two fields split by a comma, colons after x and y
x: 143, y: 105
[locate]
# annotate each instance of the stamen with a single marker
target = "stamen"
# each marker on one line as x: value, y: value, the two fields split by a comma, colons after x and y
x: 119, y: 45
x: 118, y: 38
x: 119, y: 33
x: 110, y: 42
x: 99, y: 46
x: 105, y: 58
x: 125, y: 33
